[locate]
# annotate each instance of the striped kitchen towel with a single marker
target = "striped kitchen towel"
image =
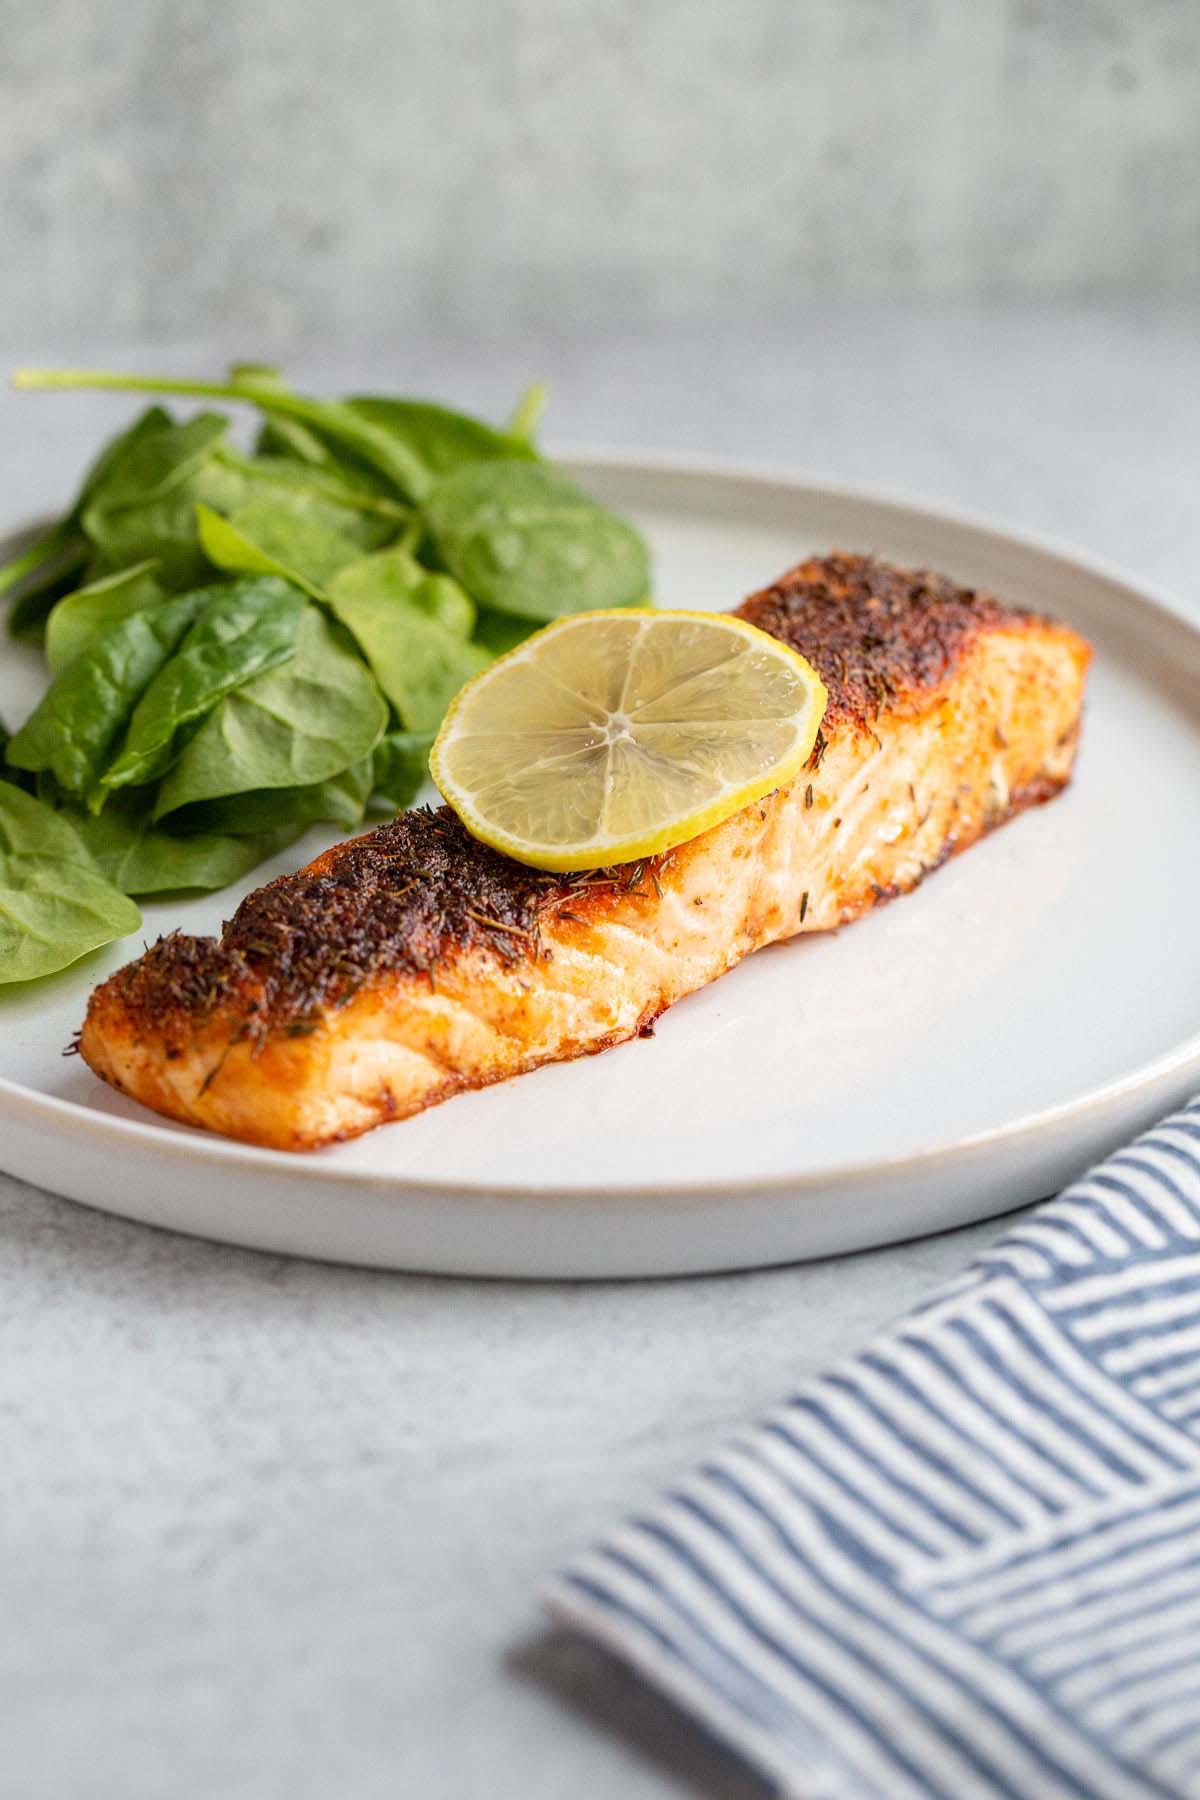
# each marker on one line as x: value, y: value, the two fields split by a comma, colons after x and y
x: 964, y: 1564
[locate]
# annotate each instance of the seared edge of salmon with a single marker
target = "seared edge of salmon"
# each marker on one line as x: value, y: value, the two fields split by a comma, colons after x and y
x: 413, y: 962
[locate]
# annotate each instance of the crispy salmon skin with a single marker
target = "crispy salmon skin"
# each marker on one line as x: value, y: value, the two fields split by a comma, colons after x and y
x: 412, y: 963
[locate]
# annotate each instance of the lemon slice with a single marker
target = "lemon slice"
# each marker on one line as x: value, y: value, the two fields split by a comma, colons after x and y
x: 613, y: 736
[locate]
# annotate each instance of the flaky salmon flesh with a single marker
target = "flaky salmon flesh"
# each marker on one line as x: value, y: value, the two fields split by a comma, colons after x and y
x: 404, y: 966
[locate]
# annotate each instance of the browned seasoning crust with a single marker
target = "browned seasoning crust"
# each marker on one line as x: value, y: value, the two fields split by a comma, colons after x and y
x: 874, y: 633
x: 402, y: 899
x: 452, y: 941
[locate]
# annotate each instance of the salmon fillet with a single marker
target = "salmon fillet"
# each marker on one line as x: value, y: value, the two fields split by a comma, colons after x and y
x: 406, y: 965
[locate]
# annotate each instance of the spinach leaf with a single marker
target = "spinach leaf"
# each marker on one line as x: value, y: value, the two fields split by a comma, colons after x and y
x: 37, y: 597
x: 439, y: 438
x: 72, y: 732
x: 55, y: 905
x: 166, y: 531
x: 28, y: 826
x: 57, y: 548
x: 419, y: 661
x: 297, y: 725
x: 339, y: 801
x: 145, y: 508
x: 442, y: 599
x: 63, y: 549
x: 79, y: 618
x: 396, y: 575
x: 147, y: 424
x: 501, y: 632
x: 401, y: 768
x: 323, y: 494
x: 271, y: 536
x: 523, y: 539
x: 141, y: 858
x: 419, y: 665
x: 241, y: 631
x: 159, y: 461
x: 17, y: 777
x: 349, y: 431
x: 280, y: 438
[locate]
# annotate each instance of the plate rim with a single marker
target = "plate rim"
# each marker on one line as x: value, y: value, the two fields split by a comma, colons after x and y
x: 190, y: 1142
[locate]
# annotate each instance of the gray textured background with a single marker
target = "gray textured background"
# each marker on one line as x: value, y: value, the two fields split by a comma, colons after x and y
x: 290, y: 169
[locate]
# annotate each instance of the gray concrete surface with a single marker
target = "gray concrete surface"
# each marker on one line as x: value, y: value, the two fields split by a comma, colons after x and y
x: 178, y: 166
x: 272, y: 1531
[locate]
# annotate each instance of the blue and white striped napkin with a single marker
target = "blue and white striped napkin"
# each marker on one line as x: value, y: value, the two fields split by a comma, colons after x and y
x: 965, y: 1563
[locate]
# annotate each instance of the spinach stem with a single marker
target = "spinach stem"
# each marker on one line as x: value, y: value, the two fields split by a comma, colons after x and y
x: 382, y: 450
x: 135, y: 384
x: 527, y: 413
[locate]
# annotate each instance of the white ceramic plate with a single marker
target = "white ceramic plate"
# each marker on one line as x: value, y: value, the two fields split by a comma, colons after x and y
x: 959, y: 1053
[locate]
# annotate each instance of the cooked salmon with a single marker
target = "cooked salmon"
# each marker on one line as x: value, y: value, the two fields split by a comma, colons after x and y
x: 412, y: 963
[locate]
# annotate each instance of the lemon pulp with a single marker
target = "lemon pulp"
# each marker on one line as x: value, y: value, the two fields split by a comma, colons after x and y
x: 613, y: 736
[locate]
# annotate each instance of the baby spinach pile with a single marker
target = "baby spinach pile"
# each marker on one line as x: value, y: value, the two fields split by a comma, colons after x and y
x: 242, y: 644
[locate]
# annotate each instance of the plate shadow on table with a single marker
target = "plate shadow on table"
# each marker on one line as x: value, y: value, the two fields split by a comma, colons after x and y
x: 603, y: 1694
